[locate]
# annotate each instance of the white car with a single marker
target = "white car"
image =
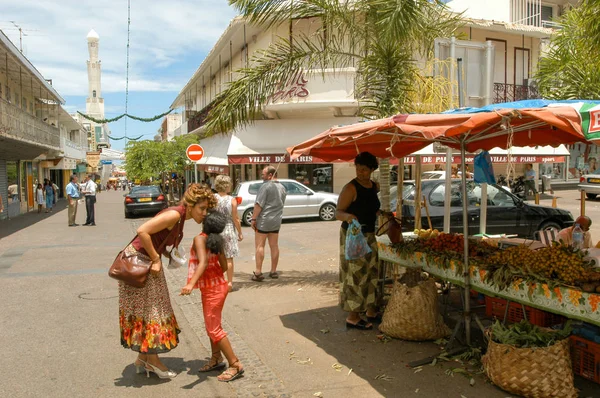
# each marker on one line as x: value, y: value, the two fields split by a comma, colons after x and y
x: 590, y: 183
x: 300, y: 201
x: 433, y: 175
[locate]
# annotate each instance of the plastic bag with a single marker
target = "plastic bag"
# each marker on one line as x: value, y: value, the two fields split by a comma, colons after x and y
x: 484, y: 172
x: 356, y: 243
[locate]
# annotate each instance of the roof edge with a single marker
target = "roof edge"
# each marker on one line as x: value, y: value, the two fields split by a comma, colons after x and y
x: 15, y: 51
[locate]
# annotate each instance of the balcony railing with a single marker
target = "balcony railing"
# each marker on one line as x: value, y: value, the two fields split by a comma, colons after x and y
x: 72, y: 149
x: 21, y: 125
x: 513, y: 92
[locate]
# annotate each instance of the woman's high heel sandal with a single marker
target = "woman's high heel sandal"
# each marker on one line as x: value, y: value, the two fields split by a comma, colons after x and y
x: 139, y: 369
x: 162, y: 374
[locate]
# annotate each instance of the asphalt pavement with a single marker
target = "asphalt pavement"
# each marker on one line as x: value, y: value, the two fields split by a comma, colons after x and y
x: 61, y: 335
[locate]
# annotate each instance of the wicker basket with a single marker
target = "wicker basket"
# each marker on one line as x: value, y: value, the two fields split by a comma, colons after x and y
x: 413, y: 314
x: 542, y: 372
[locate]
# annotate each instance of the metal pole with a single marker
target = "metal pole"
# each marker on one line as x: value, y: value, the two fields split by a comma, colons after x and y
x: 448, y: 191
x: 196, y: 172
x: 466, y: 274
x: 461, y: 98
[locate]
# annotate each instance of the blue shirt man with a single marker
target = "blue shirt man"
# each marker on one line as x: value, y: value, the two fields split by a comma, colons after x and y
x: 72, y: 196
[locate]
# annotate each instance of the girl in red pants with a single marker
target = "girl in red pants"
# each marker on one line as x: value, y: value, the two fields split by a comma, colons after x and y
x: 206, y: 266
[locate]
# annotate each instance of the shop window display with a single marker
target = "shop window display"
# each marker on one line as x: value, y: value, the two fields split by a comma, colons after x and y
x: 13, y: 182
x: 318, y: 177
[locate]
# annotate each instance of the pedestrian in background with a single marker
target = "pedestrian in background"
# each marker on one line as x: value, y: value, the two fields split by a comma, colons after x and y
x: 266, y: 221
x: 358, y: 278
x: 147, y: 321
x: 39, y: 197
x: 530, y: 182
x: 49, y: 191
x: 73, y: 196
x: 56, y: 191
x: 89, y: 190
x: 206, y: 267
x: 227, y: 205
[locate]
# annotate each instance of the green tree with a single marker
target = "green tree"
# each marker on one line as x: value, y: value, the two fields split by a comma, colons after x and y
x: 571, y: 68
x: 380, y: 38
x: 150, y: 159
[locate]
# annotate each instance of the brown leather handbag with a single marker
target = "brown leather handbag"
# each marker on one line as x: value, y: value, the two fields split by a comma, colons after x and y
x: 394, y: 229
x: 133, y: 268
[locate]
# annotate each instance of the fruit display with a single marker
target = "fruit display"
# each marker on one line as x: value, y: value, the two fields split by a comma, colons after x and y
x: 552, y: 264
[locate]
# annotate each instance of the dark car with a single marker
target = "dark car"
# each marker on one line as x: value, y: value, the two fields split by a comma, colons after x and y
x: 506, y: 213
x: 144, y: 199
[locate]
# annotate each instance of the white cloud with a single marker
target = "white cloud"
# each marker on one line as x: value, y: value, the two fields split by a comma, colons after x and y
x: 162, y: 35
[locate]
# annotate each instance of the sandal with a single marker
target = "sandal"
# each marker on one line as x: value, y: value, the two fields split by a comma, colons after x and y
x: 213, y: 363
x: 232, y: 373
x: 273, y: 275
x: 257, y: 277
x: 373, y: 319
x: 360, y: 325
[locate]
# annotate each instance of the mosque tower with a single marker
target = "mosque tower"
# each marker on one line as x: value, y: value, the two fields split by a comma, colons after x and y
x: 94, y: 103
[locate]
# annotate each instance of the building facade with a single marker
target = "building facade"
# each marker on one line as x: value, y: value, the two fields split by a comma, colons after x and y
x: 30, y: 120
x: 500, y: 46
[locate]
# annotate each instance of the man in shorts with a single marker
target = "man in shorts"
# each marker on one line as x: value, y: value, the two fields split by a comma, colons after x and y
x: 266, y: 221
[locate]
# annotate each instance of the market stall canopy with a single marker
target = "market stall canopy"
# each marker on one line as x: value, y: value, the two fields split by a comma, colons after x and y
x: 401, y: 135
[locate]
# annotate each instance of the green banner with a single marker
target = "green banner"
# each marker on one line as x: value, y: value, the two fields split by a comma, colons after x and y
x: 590, y: 120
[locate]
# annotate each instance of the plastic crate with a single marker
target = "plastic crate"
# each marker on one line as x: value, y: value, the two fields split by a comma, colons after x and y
x: 495, y: 308
x: 585, y: 356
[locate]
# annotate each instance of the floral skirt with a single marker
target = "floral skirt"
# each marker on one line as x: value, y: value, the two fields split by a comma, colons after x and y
x: 146, y: 318
x: 358, y: 278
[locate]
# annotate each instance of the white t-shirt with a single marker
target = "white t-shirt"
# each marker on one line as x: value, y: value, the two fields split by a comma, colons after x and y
x: 90, y: 188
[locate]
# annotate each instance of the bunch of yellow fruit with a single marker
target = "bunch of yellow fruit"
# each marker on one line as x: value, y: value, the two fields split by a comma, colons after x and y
x: 558, y: 262
x: 426, y: 233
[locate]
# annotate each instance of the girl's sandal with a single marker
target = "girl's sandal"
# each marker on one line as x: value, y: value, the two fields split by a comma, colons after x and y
x: 232, y: 373
x: 213, y: 364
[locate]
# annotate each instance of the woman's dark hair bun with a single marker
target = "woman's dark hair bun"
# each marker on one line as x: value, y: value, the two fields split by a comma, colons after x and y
x: 366, y: 159
x: 214, y: 223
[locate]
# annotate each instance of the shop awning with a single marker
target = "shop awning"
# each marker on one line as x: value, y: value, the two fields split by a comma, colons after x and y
x: 215, y: 154
x: 265, y: 141
x: 433, y: 154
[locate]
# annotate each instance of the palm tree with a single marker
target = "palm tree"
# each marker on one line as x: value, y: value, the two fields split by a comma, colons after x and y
x: 379, y: 38
x: 571, y: 68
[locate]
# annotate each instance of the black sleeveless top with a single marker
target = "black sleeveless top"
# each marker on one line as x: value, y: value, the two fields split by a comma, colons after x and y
x: 364, y: 207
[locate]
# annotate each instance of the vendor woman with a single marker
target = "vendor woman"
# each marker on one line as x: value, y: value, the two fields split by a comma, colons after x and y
x: 566, y: 235
x: 358, y: 278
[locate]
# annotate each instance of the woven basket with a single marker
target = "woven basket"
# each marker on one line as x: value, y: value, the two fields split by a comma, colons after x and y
x: 541, y: 372
x: 413, y: 314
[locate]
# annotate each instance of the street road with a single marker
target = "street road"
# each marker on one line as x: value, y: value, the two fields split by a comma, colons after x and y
x: 61, y: 337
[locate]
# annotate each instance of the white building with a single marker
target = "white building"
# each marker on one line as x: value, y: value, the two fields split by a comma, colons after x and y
x: 170, y: 127
x: 303, y: 108
x: 500, y: 56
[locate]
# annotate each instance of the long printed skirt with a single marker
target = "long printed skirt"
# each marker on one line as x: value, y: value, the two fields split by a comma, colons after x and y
x: 358, y: 278
x: 146, y: 318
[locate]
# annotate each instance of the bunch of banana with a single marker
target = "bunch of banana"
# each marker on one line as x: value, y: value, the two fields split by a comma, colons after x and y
x: 426, y: 233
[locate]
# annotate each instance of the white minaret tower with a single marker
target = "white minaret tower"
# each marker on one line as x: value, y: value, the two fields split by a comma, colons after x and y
x: 95, y: 102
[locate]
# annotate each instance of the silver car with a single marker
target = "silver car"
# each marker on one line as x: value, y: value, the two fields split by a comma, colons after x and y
x: 590, y: 183
x: 300, y: 201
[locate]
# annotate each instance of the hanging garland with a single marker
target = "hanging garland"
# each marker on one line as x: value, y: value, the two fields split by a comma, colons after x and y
x: 114, y: 119
x: 124, y: 137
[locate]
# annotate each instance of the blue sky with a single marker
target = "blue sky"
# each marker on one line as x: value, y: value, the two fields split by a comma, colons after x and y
x: 168, y: 42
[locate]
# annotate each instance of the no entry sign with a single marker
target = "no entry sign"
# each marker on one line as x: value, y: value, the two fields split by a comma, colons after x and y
x: 194, y: 152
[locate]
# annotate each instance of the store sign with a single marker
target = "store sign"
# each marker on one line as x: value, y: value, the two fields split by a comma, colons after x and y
x: 408, y: 160
x: 93, y: 158
x: 294, y: 87
x: 267, y: 159
x: 215, y: 169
